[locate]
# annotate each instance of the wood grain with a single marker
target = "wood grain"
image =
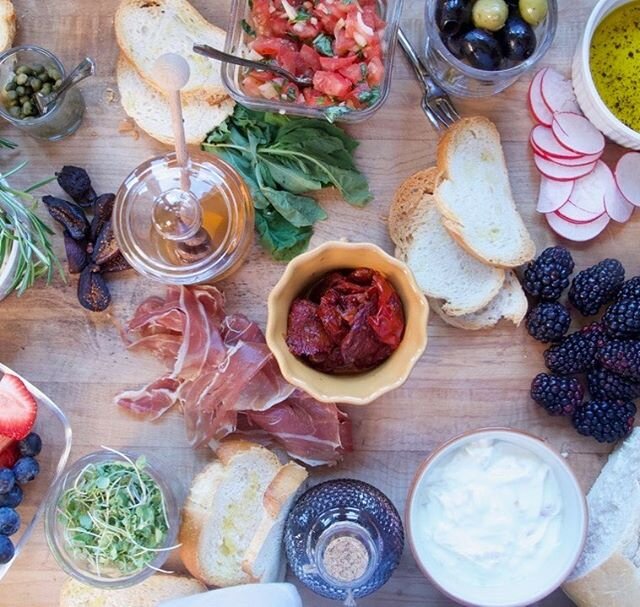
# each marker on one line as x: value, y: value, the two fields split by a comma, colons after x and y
x: 464, y: 381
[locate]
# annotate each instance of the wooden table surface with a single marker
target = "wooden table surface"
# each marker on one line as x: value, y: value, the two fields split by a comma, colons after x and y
x: 465, y: 380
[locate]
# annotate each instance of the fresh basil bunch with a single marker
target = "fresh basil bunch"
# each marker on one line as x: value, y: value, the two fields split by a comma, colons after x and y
x: 281, y: 158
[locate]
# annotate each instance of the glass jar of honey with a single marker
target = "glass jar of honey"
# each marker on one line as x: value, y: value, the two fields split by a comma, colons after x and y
x: 184, y: 225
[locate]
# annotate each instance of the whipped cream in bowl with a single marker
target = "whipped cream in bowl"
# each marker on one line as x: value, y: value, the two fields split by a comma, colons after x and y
x: 495, y: 518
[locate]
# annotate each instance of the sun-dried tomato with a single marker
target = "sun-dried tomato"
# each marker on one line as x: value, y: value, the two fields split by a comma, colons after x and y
x: 350, y: 321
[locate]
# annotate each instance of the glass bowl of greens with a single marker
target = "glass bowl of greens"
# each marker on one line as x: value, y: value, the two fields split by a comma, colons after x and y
x: 112, y: 519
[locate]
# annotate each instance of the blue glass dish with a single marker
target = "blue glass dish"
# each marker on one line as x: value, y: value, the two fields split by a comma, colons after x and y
x: 336, y: 509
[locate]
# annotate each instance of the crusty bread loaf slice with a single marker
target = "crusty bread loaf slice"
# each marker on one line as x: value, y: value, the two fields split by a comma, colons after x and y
x: 150, y: 108
x: 509, y: 304
x: 7, y: 24
x: 147, y: 29
x: 474, y: 195
x: 148, y: 593
x: 442, y: 268
x: 236, y: 505
x: 262, y: 559
x: 608, y: 572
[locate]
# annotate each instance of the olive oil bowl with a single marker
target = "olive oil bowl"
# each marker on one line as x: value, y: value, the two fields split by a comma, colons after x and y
x: 586, y: 60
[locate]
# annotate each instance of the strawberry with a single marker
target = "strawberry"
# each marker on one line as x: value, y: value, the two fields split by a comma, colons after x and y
x: 9, y: 454
x: 18, y: 408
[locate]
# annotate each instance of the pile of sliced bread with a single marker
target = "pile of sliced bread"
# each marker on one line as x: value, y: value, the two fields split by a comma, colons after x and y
x: 7, y: 24
x: 148, y: 29
x: 457, y: 227
x: 233, y: 519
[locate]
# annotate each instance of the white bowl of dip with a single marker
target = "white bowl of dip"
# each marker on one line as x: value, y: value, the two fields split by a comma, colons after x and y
x: 592, y: 105
x: 495, y: 518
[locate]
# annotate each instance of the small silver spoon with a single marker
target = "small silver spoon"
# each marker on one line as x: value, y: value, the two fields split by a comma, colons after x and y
x: 85, y: 68
x: 214, y: 53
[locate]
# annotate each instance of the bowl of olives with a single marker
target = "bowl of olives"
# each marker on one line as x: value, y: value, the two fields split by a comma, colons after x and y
x: 477, y: 48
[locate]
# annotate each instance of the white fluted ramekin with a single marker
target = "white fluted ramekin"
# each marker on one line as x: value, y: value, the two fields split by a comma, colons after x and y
x: 590, y: 101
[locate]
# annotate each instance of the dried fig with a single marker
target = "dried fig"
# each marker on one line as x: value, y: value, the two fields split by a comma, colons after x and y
x: 76, y: 251
x: 115, y: 264
x: 69, y: 215
x: 106, y: 246
x: 93, y: 293
x: 76, y: 182
x: 102, y: 210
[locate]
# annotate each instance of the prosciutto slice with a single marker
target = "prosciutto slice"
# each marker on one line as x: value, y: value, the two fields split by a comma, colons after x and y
x: 225, y: 379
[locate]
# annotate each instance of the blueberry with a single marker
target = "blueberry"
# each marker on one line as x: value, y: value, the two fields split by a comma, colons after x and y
x: 31, y: 445
x: 6, y: 549
x: 9, y: 521
x: 7, y: 480
x: 26, y: 469
x: 12, y: 499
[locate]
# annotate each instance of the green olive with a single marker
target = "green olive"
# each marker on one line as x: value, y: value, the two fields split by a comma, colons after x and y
x: 15, y: 111
x: 35, y: 84
x: 54, y: 74
x: 12, y: 95
x: 24, y: 70
x: 27, y: 108
x: 533, y: 11
x: 490, y: 14
x: 24, y: 99
x: 38, y: 68
x: 46, y: 88
x: 20, y: 90
x: 10, y: 86
x: 22, y: 79
x: 58, y: 84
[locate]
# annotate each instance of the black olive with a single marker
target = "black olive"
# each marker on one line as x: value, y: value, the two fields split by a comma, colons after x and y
x: 453, y: 43
x: 518, y: 39
x: 512, y: 2
x: 453, y: 15
x: 481, y: 50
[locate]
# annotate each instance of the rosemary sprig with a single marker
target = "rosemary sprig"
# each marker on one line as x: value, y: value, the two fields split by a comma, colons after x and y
x: 22, y: 228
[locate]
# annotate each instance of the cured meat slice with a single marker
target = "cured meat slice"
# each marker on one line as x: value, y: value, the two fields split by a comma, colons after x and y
x: 153, y: 400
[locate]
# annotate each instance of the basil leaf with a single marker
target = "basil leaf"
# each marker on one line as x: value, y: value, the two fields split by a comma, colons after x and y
x: 302, y: 15
x: 336, y: 111
x: 299, y: 211
x: 322, y: 44
x: 289, y: 176
x: 279, y: 237
x: 247, y: 28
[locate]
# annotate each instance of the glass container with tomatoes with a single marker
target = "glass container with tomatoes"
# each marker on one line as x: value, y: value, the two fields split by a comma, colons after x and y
x: 344, y: 48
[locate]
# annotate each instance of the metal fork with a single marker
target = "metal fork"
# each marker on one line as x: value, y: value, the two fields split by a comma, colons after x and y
x: 436, y: 104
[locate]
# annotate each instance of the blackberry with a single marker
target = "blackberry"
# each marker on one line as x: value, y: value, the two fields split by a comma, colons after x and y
x: 548, y: 322
x: 630, y: 289
x: 576, y: 353
x: 557, y: 395
x: 622, y: 319
x: 622, y: 357
x: 596, y: 286
x: 606, y: 420
x: 607, y: 385
x: 547, y: 276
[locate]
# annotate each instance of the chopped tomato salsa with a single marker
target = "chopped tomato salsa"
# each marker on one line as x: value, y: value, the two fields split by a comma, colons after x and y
x: 335, y: 43
x: 349, y: 322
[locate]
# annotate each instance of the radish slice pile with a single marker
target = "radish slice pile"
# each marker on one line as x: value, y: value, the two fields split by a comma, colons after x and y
x: 579, y: 194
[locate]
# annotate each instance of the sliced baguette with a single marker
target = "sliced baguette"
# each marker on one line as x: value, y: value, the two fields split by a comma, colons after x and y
x: 150, y: 109
x: 231, y: 530
x: 148, y: 593
x: 262, y: 560
x: 441, y: 267
x: 474, y: 195
x: 509, y: 304
x: 608, y: 572
x: 7, y: 24
x: 147, y: 29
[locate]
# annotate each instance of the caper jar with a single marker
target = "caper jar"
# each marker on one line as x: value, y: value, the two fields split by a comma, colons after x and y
x: 25, y: 70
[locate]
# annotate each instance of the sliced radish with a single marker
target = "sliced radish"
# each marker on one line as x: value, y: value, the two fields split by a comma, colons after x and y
x: 628, y: 177
x: 574, y: 214
x: 589, y: 191
x: 617, y: 206
x: 557, y: 92
x: 543, y: 139
x: 553, y: 194
x: 576, y: 162
x: 578, y: 232
x: 556, y: 171
x: 539, y: 110
x: 575, y: 132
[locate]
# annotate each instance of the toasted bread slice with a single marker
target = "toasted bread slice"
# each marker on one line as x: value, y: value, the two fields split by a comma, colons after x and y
x: 149, y: 593
x: 147, y: 29
x: 510, y: 304
x: 442, y: 268
x: 474, y: 195
x: 7, y: 24
x: 150, y: 109
x: 231, y: 530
